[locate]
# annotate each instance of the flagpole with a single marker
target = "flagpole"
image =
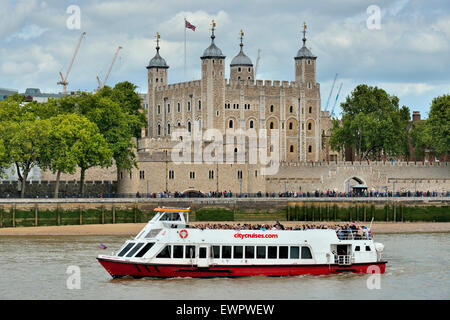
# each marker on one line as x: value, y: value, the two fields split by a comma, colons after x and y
x: 184, y: 49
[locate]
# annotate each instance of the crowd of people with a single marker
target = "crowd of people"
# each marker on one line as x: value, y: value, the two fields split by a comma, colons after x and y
x: 316, y: 194
x: 345, y: 231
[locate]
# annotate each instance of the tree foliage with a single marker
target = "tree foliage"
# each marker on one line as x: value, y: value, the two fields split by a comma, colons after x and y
x: 372, y: 124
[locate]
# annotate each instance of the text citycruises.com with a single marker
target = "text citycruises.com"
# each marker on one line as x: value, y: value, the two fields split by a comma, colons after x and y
x: 255, y: 235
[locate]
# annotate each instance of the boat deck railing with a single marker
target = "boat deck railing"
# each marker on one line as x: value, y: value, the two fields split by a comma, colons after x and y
x: 343, y: 259
x: 354, y: 234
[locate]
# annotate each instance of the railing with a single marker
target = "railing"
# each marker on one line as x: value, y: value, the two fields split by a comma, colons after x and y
x: 343, y: 259
x: 354, y: 234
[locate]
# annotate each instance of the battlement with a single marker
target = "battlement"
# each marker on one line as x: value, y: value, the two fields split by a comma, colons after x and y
x: 180, y: 85
x: 231, y: 83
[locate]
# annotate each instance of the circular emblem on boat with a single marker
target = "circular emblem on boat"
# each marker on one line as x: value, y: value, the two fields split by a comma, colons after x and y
x: 183, y: 234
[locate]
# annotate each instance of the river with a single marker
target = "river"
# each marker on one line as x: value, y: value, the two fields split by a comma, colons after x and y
x: 36, y: 267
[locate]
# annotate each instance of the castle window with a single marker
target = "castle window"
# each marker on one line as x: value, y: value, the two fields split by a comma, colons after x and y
x: 271, y: 108
x: 230, y: 124
x: 179, y: 124
x: 256, y: 173
x: 211, y: 174
x: 189, y: 126
x: 239, y: 78
x: 251, y: 124
x: 156, y: 79
x: 239, y: 69
x: 189, y: 106
x: 142, y: 174
x: 168, y: 128
x: 290, y: 125
x: 309, y: 126
x: 303, y: 126
x: 248, y: 78
x: 239, y: 174
x: 271, y: 125
x: 217, y: 113
x: 309, y: 61
x: 235, y: 150
x: 171, y: 174
x: 310, y: 110
x: 309, y: 149
x: 309, y: 85
x: 159, y: 129
x: 199, y: 105
x: 271, y: 148
x: 159, y: 109
x: 291, y: 148
x: 168, y: 108
x: 192, y: 175
x: 178, y: 107
x: 291, y: 109
x: 249, y: 71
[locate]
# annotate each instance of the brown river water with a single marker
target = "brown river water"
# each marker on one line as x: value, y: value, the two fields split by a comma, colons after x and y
x: 36, y: 267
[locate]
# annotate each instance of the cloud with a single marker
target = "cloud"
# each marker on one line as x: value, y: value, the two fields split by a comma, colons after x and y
x: 28, y: 32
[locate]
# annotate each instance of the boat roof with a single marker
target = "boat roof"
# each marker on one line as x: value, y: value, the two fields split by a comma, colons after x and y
x: 164, y: 209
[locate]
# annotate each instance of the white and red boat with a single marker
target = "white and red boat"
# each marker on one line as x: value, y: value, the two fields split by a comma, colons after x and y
x: 168, y: 247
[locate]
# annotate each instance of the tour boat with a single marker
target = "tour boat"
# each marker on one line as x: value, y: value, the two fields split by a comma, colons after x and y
x: 168, y: 247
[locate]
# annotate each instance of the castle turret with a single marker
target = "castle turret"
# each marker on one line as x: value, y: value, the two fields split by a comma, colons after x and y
x: 213, y: 82
x: 241, y: 67
x: 157, y: 77
x: 305, y: 63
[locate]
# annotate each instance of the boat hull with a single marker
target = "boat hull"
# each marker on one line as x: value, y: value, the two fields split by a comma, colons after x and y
x: 121, y: 268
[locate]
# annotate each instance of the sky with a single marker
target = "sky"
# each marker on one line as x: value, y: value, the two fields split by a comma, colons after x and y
x: 402, y: 46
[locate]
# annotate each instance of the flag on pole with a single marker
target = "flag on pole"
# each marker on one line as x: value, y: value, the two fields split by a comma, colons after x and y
x: 189, y: 25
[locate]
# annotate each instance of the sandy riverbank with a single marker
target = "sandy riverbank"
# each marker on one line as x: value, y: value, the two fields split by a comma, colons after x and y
x: 130, y: 229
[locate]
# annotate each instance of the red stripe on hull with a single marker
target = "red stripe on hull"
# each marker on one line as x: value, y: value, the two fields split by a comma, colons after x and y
x: 118, y: 269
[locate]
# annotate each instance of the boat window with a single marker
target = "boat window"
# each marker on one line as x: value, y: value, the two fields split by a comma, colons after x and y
x: 272, y: 252
x: 152, y: 233
x: 367, y: 248
x: 357, y: 248
x: 165, y: 253
x: 144, y: 249
x: 136, y: 248
x: 260, y: 252
x: 295, y: 253
x: 238, y: 252
x: 189, y: 252
x: 125, y: 250
x: 202, y: 253
x: 178, y: 251
x: 306, y: 253
x: 216, y: 252
x: 283, y: 254
x: 226, y: 252
x: 249, y: 252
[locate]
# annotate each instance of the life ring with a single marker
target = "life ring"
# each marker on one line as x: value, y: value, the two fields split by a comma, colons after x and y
x: 183, y: 234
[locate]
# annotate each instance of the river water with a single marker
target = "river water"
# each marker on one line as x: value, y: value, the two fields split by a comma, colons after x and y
x: 35, y: 267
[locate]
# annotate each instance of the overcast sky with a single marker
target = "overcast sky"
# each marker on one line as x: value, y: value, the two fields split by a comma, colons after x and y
x: 408, y: 55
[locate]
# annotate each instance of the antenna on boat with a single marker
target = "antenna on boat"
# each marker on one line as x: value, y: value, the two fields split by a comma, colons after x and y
x: 370, y: 227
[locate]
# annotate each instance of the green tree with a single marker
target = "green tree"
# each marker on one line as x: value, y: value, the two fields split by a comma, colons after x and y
x: 439, y: 125
x: 372, y: 124
x: 61, y: 155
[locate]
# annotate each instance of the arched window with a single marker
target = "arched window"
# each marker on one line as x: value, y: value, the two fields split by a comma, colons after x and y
x: 159, y: 109
x: 309, y: 126
x: 189, y: 126
x: 309, y: 149
x: 271, y: 108
x: 178, y: 107
x: 239, y: 78
x: 310, y: 110
x: 291, y: 109
x: 235, y: 150
x: 251, y: 124
x: 239, y: 69
x: 230, y: 124
x: 189, y: 106
x: 199, y: 105
x: 271, y: 125
x: 290, y: 126
x: 291, y: 148
x: 159, y: 129
x: 168, y: 128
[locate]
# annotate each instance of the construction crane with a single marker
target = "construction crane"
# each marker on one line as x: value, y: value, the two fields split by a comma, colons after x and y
x: 63, y: 81
x: 335, y: 101
x: 100, y: 85
x: 257, y: 62
x: 332, y: 87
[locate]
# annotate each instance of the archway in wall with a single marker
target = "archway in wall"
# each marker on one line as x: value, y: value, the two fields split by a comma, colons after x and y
x: 191, y: 193
x: 352, y: 181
